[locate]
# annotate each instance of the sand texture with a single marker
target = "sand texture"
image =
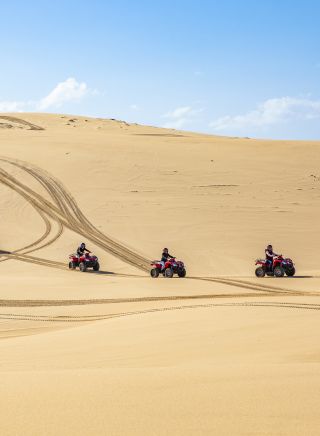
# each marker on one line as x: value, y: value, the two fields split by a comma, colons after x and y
x: 219, y: 352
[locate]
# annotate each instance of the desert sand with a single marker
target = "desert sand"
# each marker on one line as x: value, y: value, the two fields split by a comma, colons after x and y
x: 220, y: 352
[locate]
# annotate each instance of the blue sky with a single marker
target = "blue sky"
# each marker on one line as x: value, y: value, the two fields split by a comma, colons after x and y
x: 239, y: 68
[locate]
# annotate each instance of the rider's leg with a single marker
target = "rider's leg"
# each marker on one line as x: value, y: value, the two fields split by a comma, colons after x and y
x: 269, y: 265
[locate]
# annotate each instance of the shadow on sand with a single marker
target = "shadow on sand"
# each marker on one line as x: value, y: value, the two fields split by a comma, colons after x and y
x: 111, y: 273
x: 300, y: 277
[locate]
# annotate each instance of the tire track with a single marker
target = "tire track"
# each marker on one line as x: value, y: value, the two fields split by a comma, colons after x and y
x: 9, y: 181
x: 35, y: 243
x: 255, y: 286
x: 15, y: 254
x: 59, y: 193
x: 89, y: 228
x: 47, y: 223
x: 21, y: 121
x: 38, y: 261
x: 96, y: 301
x: 74, y: 219
x: 100, y: 317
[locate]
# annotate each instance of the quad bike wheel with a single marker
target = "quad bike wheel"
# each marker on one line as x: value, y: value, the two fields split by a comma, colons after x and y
x: 72, y: 265
x: 154, y: 273
x: 182, y: 272
x: 260, y: 272
x: 96, y: 267
x: 291, y: 272
x: 168, y: 273
x: 82, y: 267
x: 278, y: 271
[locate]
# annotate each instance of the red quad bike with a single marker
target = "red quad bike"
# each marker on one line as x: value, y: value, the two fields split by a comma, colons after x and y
x: 280, y: 267
x: 84, y: 262
x: 171, y: 267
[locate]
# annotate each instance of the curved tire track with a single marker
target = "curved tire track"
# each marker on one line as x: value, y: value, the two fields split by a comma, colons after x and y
x: 21, y: 121
x: 96, y: 301
x: 66, y: 211
x: 255, y: 286
x: 101, y: 317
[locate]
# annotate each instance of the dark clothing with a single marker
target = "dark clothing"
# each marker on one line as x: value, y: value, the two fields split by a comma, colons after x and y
x: 269, y: 258
x: 166, y: 256
x: 80, y: 251
x: 270, y: 255
x: 269, y: 265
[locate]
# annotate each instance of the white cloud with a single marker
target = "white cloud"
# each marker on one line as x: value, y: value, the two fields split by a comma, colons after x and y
x: 271, y: 112
x: 69, y: 90
x: 181, y: 116
x: 134, y: 107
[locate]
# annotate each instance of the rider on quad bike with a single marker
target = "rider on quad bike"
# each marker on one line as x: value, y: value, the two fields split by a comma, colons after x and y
x: 168, y: 266
x: 165, y: 256
x: 269, y: 256
x: 81, y: 249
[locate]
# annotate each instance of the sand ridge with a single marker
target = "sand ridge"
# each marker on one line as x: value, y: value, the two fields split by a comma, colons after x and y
x: 17, y: 122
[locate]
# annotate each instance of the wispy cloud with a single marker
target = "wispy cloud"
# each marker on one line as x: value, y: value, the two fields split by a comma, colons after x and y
x: 134, y: 107
x: 63, y: 92
x: 273, y: 111
x: 181, y: 116
x: 69, y: 90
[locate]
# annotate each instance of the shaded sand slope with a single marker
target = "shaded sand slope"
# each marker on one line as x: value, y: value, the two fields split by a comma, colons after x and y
x: 219, y: 352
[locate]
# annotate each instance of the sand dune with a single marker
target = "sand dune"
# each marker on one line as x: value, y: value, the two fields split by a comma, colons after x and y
x: 116, y: 352
x: 15, y: 122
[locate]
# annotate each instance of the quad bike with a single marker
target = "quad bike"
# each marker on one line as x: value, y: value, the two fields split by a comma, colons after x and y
x: 171, y: 267
x: 84, y: 262
x: 280, y: 267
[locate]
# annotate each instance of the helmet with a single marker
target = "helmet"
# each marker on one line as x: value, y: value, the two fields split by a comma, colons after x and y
x: 82, y: 245
x: 165, y: 250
